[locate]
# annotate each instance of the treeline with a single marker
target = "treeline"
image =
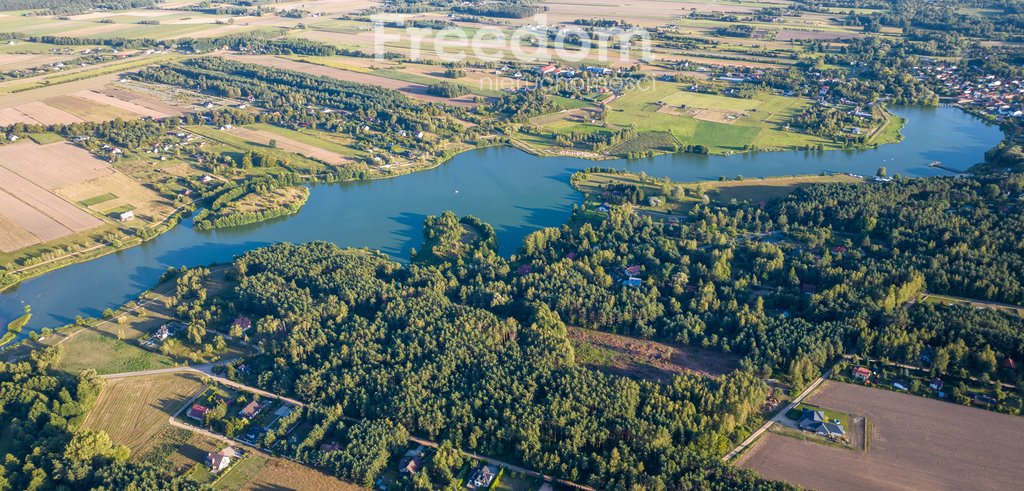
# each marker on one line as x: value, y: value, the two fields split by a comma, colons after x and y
x: 44, y: 442
x: 509, y: 10
x: 72, y: 7
x: 232, y: 194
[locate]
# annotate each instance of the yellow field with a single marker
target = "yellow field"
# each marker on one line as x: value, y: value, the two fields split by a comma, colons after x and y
x: 133, y: 411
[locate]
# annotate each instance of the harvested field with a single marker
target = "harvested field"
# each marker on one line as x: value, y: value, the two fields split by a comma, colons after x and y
x: 117, y: 191
x: 13, y: 236
x: 54, y: 165
x: 88, y: 110
x: 47, y: 114
x: 413, y: 90
x: 133, y: 411
x: 913, y: 443
x: 645, y: 359
x: 107, y: 100
x: 12, y: 61
x: 42, y: 202
x: 150, y: 103
x: 285, y: 474
x: 263, y: 138
x: 31, y: 220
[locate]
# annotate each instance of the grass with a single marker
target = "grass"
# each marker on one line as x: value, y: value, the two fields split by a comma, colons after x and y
x: 107, y: 354
x: 650, y: 141
x: 134, y: 411
x: 239, y: 474
x: 46, y: 137
x: 95, y: 200
x: 309, y: 137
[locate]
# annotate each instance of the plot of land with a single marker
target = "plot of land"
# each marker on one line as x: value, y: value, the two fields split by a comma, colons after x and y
x: 264, y: 137
x: 285, y: 474
x: 107, y: 354
x: 913, y: 443
x: 53, y: 166
x: 646, y: 359
x: 133, y: 411
x: 109, y: 100
x: 411, y: 89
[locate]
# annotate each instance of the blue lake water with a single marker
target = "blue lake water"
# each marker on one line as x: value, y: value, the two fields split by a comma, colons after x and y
x: 515, y: 192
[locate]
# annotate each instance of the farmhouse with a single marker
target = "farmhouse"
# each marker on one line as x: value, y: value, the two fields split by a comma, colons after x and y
x: 814, y: 421
x: 412, y: 461
x: 482, y: 477
x: 219, y: 461
x: 633, y: 282
x: 198, y: 412
x: 127, y: 216
x: 250, y: 410
x: 861, y: 373
x: 633, y: 270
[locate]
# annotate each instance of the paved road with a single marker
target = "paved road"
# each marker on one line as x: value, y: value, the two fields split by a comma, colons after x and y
x: 778, y: 416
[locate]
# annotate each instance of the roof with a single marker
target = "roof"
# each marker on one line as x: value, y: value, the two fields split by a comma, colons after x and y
x: 218, y: 459
x: 634, y: 282
x: 861, y: 371
x: 198, y: 411
x: 250, y: 409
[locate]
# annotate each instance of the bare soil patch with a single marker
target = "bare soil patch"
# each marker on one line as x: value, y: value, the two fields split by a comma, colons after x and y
x: 54, y: 165
x: 715, y: 115
x: 649, y: 360
x: 108, y: 100
x: 46, y: 203
x: 913, y: 443
x: 147, y: 102
x: 88, y: 110
x: 47, y: 114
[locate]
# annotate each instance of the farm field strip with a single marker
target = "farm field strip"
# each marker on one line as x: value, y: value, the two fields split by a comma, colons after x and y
x: 13, y: 236
x: 47, y: 114
x: 915, y: 443
x: 264, y: 137
x: 53, y: 166
x: 109, y: 100
x: 46, y: 203
x: 42, y: 227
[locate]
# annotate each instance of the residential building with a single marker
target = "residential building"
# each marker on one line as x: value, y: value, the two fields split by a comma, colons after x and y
x: 250, y: 410
x: 198, y: 412
x: 219, y: 461
x: 861, y: 373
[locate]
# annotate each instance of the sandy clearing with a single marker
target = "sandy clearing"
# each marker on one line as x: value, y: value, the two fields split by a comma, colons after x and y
x: 54, y: 165
x: 47, y: 114
x: 30, y: 219
x: 914, y: 443
x: 13, y: 236
x: 92, y: 95
x: 287, y: 144
x: 413, y: 90
x: 47, y: 203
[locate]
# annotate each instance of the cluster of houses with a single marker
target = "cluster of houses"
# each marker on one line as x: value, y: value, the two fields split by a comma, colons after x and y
x: 1000, y: 97
x: 865, y: 375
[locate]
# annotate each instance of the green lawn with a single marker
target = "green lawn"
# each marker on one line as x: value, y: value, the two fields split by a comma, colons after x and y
x: 107, y: 354
x: 240, y: 473
x: 310, y: 137
x: 95, y: 200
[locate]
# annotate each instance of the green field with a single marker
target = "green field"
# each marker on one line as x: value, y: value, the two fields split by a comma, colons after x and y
x: 95, y: 200
x: 107, y: 354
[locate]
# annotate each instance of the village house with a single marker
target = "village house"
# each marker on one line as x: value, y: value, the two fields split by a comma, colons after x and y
x: 250, y: 410
x: 814, y: 421
x: 482, y: 477
x: 412, y: 461
x: 219, y: 461
x: 633, y: 281
x: 198, y: 412
x: 900, y: 385
x: 127, y: 216
x: 861, y: 373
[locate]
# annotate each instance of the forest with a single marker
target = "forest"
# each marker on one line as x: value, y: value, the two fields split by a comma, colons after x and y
x: 445, y: 347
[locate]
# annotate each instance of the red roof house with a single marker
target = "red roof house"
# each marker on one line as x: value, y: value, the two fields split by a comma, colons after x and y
x: 861, y: 373
x: 198, y: 412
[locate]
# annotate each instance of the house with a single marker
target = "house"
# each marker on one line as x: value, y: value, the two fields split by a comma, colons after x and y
x: 808, y: 289
x: 861, y: 373
x: 633, y: 270
x: 250, y: 410
x: 900, y: 385
x: 198, y: 412
x: 983, y: 400
x: 604, y: 207
x: 482, y: 477
x: 207, y: 179
x: 412, y: 461
x: 936, y: 384
x: 1008, y: 363
x: 814, y: 421
x: 546, y: 69
x: 243, y: 323
x: 839, y: 250
x: 524, y: 270
x: 633, y: 282
x: 126, y: 216
x: 219, y: 461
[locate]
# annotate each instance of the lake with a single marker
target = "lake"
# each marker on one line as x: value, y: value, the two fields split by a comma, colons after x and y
x: 515, y: 192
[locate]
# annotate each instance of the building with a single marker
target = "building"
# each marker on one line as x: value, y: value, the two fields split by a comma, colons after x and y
x: 198, y: 412
x: 546, y: 69
x: 412, y: 461
x: 814, y: 421
x: 243, y: 323
x: 482, y: 477
x: 936, y: 384
x: 861, y: 373
x: 633, y: 270
x: 219, y: 461
x: 633, y: 282
x: 900, y: 385
x: 250, y: 410
x: 127, y: 216
x: 330, y: 447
